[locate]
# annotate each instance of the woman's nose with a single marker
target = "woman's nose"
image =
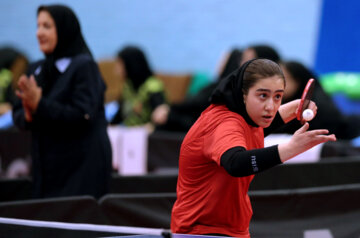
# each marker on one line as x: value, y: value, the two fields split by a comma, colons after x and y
x: 269, y: 105
x: 38, y: 32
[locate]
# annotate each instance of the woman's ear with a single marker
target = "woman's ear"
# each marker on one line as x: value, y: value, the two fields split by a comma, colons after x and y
x: 244, y: 96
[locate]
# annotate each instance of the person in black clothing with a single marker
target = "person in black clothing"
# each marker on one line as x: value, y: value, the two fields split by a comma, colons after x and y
x: 62, y: 103
x: 328, y: 116
x: 181, y: 116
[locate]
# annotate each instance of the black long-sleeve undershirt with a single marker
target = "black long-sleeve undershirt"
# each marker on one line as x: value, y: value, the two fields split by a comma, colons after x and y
x: 239, y: 162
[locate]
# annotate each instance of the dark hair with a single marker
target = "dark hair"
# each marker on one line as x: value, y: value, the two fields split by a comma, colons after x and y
x: 300, y: 74
x: 233, y: 62
x: 260, y: 69
x: 266, y: 52
x: 136, y: 65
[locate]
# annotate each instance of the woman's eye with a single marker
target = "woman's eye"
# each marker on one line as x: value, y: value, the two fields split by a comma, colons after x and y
x: 278, y: 96
x: 263, y: 95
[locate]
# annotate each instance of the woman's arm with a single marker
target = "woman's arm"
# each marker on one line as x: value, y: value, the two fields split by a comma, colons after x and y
x: 239, y: 162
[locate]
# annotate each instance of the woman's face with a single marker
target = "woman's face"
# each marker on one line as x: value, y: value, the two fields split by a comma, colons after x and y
x: 264, y: 99
x: 120, y: 68
x: 46, y: 32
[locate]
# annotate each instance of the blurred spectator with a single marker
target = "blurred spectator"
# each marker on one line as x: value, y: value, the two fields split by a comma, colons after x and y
x: 181, y: 116
x: 142, y: 91
x: 328, y: 115
x: 13, y: 63
x: 260, y: 51
x: 62, y: 103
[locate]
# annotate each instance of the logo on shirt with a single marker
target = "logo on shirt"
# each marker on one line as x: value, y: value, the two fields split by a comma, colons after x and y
x: 254, y: 164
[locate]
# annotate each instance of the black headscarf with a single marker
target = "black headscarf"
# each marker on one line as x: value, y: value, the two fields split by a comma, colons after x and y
x: 136, y: 65
x: 232, y: 63
x: 8, y: 56
x: 70, y: 42
x: 266, y: 52
x: 229, y: 92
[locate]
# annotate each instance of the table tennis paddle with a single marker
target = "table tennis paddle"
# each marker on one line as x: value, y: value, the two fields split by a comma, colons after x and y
x: 305, y: 99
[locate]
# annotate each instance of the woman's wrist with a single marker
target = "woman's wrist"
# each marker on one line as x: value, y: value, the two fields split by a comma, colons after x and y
x: 286, y: 151
x: 288, y: 111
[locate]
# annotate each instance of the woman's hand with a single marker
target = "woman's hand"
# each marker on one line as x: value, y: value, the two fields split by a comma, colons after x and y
x: 30, y: 94
x: 289, y: 110
x: 160, y: 114
x: 303, y: 140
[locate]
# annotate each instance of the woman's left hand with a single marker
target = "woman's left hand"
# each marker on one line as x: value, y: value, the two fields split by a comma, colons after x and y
x: 313, y: 107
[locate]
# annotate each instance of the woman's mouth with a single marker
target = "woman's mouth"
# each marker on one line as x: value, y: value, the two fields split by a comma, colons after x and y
x: 268, y: 118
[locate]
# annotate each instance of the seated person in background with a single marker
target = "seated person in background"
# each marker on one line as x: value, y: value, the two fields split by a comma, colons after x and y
x: 181, y: 116
x: 328, y: 115
x: 142, y: 91
x: 12, y: 64
x: 261, y: 52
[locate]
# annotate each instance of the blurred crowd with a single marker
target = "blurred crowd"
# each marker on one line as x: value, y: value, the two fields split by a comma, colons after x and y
x: 40, y: 104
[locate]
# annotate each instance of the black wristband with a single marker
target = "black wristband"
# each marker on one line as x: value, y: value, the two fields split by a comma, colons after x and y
x: 239, y: 162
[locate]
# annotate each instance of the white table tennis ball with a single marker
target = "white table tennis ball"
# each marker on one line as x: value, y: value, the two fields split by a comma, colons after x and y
x: 308, y: 115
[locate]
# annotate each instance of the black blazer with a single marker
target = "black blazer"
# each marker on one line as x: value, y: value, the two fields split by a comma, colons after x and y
x: 71, y: 152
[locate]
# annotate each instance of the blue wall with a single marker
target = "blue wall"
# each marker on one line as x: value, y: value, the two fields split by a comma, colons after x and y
x: 177, y: 35
x: 339, y: 37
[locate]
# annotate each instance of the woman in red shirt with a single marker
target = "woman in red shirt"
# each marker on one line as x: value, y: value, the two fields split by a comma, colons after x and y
x: 225, y: 148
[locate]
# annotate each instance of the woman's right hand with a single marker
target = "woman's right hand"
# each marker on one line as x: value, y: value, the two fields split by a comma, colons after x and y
x: 160, y: 114
x: 30, y: 94
x: 27, y: 112
x: 303, y: 140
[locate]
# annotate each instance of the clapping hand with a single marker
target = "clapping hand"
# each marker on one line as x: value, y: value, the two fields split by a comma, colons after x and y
x: 30, y: 94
